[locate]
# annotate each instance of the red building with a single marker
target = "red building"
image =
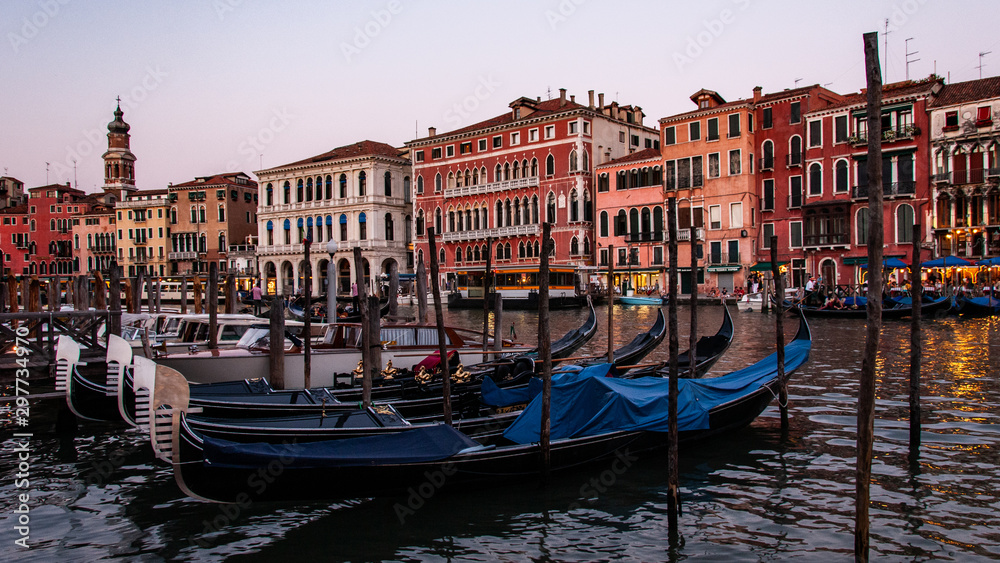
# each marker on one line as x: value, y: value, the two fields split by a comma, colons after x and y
x: 834, y: 210
x: 37, y: 238
x: 500, y: 178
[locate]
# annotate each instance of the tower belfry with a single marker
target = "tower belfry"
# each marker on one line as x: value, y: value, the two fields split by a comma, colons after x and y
x: 119, y: 162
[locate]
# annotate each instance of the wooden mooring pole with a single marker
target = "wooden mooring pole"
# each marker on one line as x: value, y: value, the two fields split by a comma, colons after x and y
x: 393, y: 290
x: 196, y: 290
x: 693, y: 342
x: 611, y: 303
x: 115, y: 319
x: 673, y: 460
x: 497, y: 329
x: 866, y: 391
x: 184, y: 295
x: 307, y: 322
x: 498, y: 322
x: 916, y: 297
x: 545, y: 350
x: 421, y: 292
x: 439, y: 321
x: 100, y: 292
x: 367, y: 337
x: 277, y: 343
x: 213, y: 305
x: 779, y: 333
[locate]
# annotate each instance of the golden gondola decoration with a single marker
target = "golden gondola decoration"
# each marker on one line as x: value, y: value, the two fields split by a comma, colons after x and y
x: 389, y: 372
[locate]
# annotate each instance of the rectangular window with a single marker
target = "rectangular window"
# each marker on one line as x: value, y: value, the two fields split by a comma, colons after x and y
x: 635, y: 140
x: 482, y: 145
x: 796, y: 113
x: 657, y: 255
x: 436, y: 153
x: 768, y: 120
x: 816, y: 133
x: 713, y: 165
x: 696, y: 172
x: 532, y: 135
x: 465, y: 148
x: 795, y: 234
x: 573, y: 127
x: 621, y: 136
x: 550, y: 131
x: 768, y: 230
x: 694, y: 131
x: 683, y: 173
x: 734, y: 162
x: 840, y: 129
x: 450, y: 150
x: 669, y: 136
x: 983, y: 116
x: 586, y: 128
x: 795, y: 192
x: 714, y: 217
x: 604, y: 257
x: 951, y: 120
x: 515, y: 139
x: 734, y: 125
x: 498, y: 141
x: 669, y: 177
x: 767, y: 198
x: 420, y: 156
x: 736, y: 215
x: 713, y: 129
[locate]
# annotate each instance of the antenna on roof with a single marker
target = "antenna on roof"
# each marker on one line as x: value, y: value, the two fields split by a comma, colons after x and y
x: 74, y: 174
x: 46, y: 173
x: 797, y: 80
x: 885, y: 65
x: 548, y: 92
x: 908, y: 53
x: 980, y: 67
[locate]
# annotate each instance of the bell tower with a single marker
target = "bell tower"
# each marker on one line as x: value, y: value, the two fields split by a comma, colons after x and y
x: 119, y: 162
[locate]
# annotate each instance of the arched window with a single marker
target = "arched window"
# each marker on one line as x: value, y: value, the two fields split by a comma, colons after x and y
x: 574, y: 246
x: 506, y: 251
x: 329, y: 186
x: 441, y: 257
x: 633, y: 221
x: 573, y: 161
x: 815, y: 179
x: 534, y: 167
x: 309, y: 189
x: 841, y: 182
x: 861, y: 225
x: 550, y: 165
x: 904, y: 223
x: 517, y: 211
x: 586, y: 246
x: 537, y: 253
x: 269, y: 195
x: 343, y: 185
x: 506, y: 171
x: 604, y: 224
x: 498, y: 173
x: 388, y: 184
x: 621, y: 223
x: 550, y: 209
x: 499, y: 213
x: 645, y: 223
x: 438, y: 221
x: 362, y: 226
x: 406, y: 189
x: 657, y: 219
x: 389, y: 227
x: 362, y: 185
x: 499, y: 251
x: 507, y: 214
x: 343, y: 227
x: 795, y: 151
x: 574, y: 207
x: 476, y: 254
x: 437, y: 182
x: 451, y: 220
x: 299, y: 195
x: 468, y: 254
x: 222, y: 241
x: 420, y: 223
x: 222, y: 213
x: 767, y: 162
x: 287, y: 189
x: 451, y: 180
x: 516, y: 173
x: 588, y: 207
x: 458, y: 254
x: 201, y: 214
x: 520, y: 250
x: 534, y: 209
x: 407, y: 229
x: 420, y: 185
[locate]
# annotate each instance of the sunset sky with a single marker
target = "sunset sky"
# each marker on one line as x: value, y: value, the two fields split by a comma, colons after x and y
x: 223, y: 85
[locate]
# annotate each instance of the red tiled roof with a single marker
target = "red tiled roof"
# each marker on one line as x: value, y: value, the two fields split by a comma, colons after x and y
x: 891, y: 90
x: 212, y: 180
x: 962, y: 92
x: 140, y: 193
x: 644, y: 154
x: 60, y: 187
x: 727, y: 105
x: 786, y: 94
x: 17, y: 209
x: 362, y: 148
x: 548, y: 107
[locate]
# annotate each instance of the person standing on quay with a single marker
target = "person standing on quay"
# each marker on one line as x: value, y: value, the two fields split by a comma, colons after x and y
x: 354, y: 296
x: 257, y: 294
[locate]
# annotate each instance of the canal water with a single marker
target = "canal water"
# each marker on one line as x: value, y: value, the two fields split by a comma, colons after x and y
x: 755, y: 495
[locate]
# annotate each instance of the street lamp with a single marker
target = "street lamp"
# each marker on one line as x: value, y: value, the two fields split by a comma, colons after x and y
x: 331, y: 287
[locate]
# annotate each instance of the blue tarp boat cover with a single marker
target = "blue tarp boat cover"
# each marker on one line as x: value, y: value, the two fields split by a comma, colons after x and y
x: 494, y: 396
x: 588, y: 406
x: 423, y: 444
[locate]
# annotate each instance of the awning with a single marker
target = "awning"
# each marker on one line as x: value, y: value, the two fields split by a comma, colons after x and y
x: 765, y: 266
x: 890, y: 263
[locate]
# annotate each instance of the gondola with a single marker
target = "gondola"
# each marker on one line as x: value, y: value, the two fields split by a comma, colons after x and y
x: 88, y: 394
x: 640, y: 346
x: 594, y: 419
x: 856, y: 308
x: 574, y: 339
x: 977, y: 306
x: 708, y: 350
x: 296, y: 312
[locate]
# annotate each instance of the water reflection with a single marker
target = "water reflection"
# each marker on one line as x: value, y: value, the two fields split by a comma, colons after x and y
x: 759, y: 494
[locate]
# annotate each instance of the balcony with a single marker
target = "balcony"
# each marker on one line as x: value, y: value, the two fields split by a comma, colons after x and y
x: 888, y: 135
x: 793, y: 159
x: 503, y: 185
x: 766, y: 163
x: 102, y: 249
x: 795, y: 201
x: 894, y: 189
x: 330, y: 205
x: 499, y: 232
x: 141, y: 259
x: 828, y: 239
x: 287, y: 248
x: 182, y: 256
x: 973, y: 176
x: 723, y: 258
x: 245, y: 250
x: 941, y: 178
x: 993, y: 173
x: 655, y: 236
x: 684, y: 234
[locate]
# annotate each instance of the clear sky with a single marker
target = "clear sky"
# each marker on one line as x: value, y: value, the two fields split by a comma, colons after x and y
x: 220, y: 85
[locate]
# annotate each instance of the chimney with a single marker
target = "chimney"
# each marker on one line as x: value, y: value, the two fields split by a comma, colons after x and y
x: 600, y: 100
x: 431, y: 131
x: 562, y: 97
x: 572, y: 98
x: 756, y: 94
x: 590, y: 94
